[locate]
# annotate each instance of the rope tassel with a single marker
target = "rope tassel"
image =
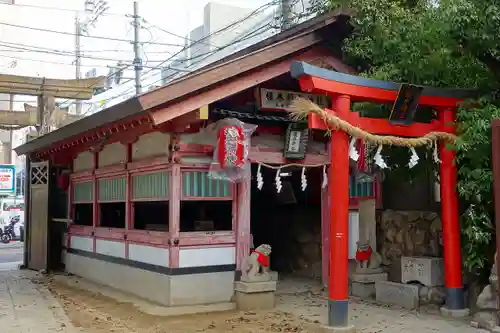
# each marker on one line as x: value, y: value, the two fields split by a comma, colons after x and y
x: 379, y: 160
x: 414, y: 158
x: 325, y: 178
x: 353, y: 153
x: 277, y: 179
x: 435, y: 153
x: 303, y: 180
x: 260, y: 179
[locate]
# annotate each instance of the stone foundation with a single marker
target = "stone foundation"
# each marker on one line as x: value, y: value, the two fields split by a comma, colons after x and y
x: 363, y: 285
x: 407, y: 233
x: 255, y: 295
x: 392, y: 293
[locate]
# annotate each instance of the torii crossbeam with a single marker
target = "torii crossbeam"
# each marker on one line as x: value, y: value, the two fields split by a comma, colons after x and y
x: 344, y: 89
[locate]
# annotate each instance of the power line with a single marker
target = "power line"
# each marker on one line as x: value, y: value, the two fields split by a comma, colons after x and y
x: 25, y: 48
x: 174, y: 34
x: 73, y: 34
x: 59, y: 9
x: 269, y: 4
x: 52, y: 62
x: 206, y: 54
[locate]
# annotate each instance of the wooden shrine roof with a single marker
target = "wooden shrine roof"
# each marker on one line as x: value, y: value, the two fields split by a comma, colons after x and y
x: 327, y: 29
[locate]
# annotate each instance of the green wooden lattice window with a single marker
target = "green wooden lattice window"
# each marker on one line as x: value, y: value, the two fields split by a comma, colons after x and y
x: 83, y: 192
x: 113, y: 189
x: 357, y: 190
x: 151, y: 185
x: 198, y: 184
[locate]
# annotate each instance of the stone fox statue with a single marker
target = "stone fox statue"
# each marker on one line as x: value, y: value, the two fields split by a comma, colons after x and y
x: 368, y: 261
x: 256, y: 266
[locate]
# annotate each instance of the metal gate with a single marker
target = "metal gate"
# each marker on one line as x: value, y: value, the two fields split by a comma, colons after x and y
x: 39, y: 215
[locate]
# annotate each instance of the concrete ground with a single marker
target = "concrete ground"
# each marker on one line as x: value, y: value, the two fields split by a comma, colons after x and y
x: 306, y: 300
x: 27, y: 307
x: 31, y: 303
x: 11, y: 255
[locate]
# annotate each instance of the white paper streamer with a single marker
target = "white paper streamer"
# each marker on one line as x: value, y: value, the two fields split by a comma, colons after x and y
x: 413, y: 158
x: 325, y: 178
x: 303, y: 179
x: 379, y: 160
x: 260, y: 179
x: 435, y: 153
x: 277, y: 179
x: 353, y: 153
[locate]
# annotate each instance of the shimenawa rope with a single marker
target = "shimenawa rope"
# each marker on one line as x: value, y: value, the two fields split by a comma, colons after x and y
x: 301, y: 107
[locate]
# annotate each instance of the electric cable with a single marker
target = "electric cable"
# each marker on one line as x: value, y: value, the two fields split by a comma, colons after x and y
x: 61, y: 9
x: 207, y: 54
x: 73, y: 34
x: 263, y: 7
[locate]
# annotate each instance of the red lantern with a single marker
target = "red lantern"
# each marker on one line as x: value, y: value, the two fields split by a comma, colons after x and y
x: 231, y: 147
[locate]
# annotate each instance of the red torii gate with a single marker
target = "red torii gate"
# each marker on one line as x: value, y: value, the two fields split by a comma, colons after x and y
x: 343, y: 89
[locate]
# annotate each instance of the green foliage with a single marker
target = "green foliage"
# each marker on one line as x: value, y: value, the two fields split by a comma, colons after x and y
x: 475, y: 185
x: 443, y: 43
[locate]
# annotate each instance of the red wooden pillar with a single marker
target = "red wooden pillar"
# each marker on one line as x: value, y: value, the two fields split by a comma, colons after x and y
x: 325, y: 233
x: 451, y: 231
x: 338, y: 302
x: 95, y: 204
x: 243, y: 197
x: 174, y: 215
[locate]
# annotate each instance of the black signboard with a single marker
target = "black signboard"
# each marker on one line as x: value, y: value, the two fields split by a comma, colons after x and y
x: 297, y: 136
x: 403, y: 110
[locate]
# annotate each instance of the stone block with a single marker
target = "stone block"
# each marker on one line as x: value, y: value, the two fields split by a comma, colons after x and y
x: 254, y: 301
x: 426, y: 270
x: 274, y: 275
x: 255, y: 287
x: 460, y: 313
x: 363, y: 285
x: 405, y: 295
x: 254, y: 295
x: 363, y: 290
x: 369, y: 278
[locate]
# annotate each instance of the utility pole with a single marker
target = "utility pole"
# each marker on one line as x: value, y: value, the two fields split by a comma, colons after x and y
x: 137, y: 55
x: 286, y: 14
x: 78, y: 60
x: 8, y: 160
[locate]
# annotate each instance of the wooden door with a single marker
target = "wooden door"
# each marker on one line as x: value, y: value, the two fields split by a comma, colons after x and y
x: 39, y: 215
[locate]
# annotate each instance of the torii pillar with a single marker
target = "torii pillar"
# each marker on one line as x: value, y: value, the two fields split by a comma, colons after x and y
x: 343, y: 90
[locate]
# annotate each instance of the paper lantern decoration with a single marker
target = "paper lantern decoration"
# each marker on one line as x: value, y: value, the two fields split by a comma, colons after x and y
x: 231, y: 147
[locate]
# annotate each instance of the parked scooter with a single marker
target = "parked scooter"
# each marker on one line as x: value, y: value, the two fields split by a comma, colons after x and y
x: 8, y: 233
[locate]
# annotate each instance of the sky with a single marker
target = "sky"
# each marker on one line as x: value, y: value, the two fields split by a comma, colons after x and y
x: 177, y: 17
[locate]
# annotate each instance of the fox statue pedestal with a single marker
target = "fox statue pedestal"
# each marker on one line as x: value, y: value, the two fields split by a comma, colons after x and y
x: 368, y: 272
x: 256, y: 289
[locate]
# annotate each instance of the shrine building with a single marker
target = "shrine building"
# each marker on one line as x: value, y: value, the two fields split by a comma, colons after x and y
x: 125, y: 197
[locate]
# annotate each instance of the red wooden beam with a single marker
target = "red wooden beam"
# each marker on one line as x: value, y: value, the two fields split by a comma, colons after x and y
x: 357, y: 93
x: 231, y: 87
x: 380, y: 126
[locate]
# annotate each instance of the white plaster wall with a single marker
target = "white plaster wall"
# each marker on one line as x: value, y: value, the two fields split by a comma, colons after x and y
x: 114, y: 153
x: 149, y: 254
x: 192, y: 289
x: 151, y: 145
x: 353, y: 233
x: 83, y: 161
x: 207, y: 256
x: 82, y: 243
x: 110, y: 248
